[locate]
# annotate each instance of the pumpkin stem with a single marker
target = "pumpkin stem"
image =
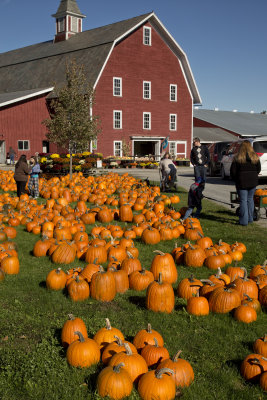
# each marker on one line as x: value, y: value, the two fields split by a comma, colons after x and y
x: 81, y: 338
x: 58, y: 270
x: 219, y: 273
x: 160, y: 372
x: 245, y: 277
x: 160, y: 279
x: 207, y: 281
x: 247, y: 296
x: 118, y: 340
x: 118, y: 367
x: 149, y: 329
x: 156, y: 342
x: 177, y: 355
x: 159, y: 252
x: 108, y: 325
x: 129, y: 255
x: 71, y: 317
x: 128, y: 349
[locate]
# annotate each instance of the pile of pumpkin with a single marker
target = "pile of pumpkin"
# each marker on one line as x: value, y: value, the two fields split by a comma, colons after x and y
x: 9, y: 262
x: 144, y: 363
x: 254, y: 366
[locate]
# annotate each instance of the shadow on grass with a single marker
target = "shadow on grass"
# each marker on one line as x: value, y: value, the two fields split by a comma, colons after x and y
x: 234, y: 363
x: 138, y: 301
x: 226, y: 216
x: 42, y: 284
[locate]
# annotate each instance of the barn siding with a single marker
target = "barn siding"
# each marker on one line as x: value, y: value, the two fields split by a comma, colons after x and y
x: 135, y: 63
x: 23, y: 121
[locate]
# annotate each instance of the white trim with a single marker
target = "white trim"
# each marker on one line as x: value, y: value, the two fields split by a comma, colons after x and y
x: 28, y: 96
x: 147, y: 28
x: 149, y: 91
x: 147, y: 113
x: 147, y: 139
x: 184, y: 142
x: 120, y: 80
x: 175, y: 122
x: 120, y: 112
x: 117, y: 141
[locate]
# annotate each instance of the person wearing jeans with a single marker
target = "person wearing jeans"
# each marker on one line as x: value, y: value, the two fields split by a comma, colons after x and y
x: 200, y: 158
x: 244, y: 171
x: 195, y: 195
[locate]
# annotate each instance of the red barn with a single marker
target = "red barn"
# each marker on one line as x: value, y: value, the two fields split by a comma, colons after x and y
x: 144, y: 87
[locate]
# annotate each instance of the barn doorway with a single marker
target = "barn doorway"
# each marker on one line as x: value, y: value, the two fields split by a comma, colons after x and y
x: 2, y: 152
x: 146, y: 147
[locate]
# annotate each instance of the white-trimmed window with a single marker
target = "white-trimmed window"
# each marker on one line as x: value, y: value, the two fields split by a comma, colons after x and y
x: 147, y: 36
x: 173, y: 122
x: 74, y: 24
x: 117, y: 148
x: 173, y: 92
x: 117, y: 86
x: 61, y: 24
x: 23, y: 145
x: 117, y: 119
x: 146, y: 90
x: 146, y: 120
x: 173, y: 148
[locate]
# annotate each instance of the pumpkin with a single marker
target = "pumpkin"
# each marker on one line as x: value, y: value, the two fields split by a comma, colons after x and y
x: 78, y: 289
x: 183, y: 371
x: 114, y: 348
x: 252, y: 367
x: 245, y: 313
x: 163, y: 263
x: 83, y: 352
x: 154, y: 354
x: 103, y: 285
x: 121, y: 280
x: 263, y: 296
x: 147, y: 336
x: 134, y: 363
x: 215, y: 261
x: 139, y: 280
x: 260, y: 346
x: 244, y: 285
x: 197, y: 305
x: 65, y: 253
x: 150, y: 236
x: 107, y: 335
x: 160, y: 296
x: 69, y: 328
x: 114, y: 382
x: 131, y: 264
x: 188, y: 287
x: 224, y: 299
x: 10, y: 265
x: 194, y: 256
x: 2, y: 275
x: 96, y: 254
x: 254, y: 303
x: 157, y: 385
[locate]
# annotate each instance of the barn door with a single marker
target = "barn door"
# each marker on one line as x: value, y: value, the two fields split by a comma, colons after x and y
x: 2, y: 152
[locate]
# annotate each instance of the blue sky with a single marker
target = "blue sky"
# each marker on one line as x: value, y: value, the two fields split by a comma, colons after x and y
x: 225, y: 40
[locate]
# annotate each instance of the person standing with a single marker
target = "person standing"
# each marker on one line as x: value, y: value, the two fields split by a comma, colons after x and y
x: 12, y: 154
x: 200, y: 158
x: 21, y: 174
x: 33, y: 185
x: 244, y: 171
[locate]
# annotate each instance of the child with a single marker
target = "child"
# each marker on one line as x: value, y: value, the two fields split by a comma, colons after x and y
x: 33, y: 184
x: 194, y: 197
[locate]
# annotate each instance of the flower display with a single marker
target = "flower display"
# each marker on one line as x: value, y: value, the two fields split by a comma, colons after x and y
x: 54, y: 156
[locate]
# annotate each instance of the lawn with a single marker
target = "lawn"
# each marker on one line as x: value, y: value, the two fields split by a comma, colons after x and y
x: 33, y: 363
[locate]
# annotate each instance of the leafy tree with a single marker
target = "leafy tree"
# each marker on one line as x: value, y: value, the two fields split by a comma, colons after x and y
x: 72, y: 125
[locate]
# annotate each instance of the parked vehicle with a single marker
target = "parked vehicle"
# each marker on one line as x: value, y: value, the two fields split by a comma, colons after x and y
x: 216, y: 150
x: 260, y: 147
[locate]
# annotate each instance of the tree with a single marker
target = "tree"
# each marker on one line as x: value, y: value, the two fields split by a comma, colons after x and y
x: 72, y: 125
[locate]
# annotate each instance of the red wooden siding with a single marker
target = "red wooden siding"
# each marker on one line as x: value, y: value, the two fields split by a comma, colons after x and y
x: 23, y: 121
x: 134, y: 63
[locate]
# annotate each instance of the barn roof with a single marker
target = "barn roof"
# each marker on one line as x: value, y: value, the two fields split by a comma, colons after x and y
x: 242, y: 123
x: 43, y: 64
x: 14, y: 97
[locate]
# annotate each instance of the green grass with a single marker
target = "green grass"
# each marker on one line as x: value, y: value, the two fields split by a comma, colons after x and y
x: 33, y: 363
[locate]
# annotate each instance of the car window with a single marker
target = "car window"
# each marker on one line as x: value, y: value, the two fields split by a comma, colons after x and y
x: 260, y: 147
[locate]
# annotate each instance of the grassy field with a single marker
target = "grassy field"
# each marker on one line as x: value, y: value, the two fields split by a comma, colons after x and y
x: 33, y: 363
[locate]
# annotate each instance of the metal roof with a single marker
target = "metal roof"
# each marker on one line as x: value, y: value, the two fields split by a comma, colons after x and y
x: 210, y: 135
x: 14, y: 97
x: 242, y: 123
x: 44, y: 64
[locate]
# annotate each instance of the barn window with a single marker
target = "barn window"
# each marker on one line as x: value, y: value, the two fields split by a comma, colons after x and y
x: 146, y: 90
x: 173, y: 119
x: 146, y: 120
x: 117, y: 87
x: 117, y: 148
x: 61, y: 24
x: 74, y: 24
x: 147, y: 36
x: 23, y: 145
x: 173, y: 148
x: 173, y: 92
x: 117, y: 119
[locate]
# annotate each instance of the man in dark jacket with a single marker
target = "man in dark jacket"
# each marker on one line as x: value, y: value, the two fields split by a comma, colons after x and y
x: 200, y: 158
